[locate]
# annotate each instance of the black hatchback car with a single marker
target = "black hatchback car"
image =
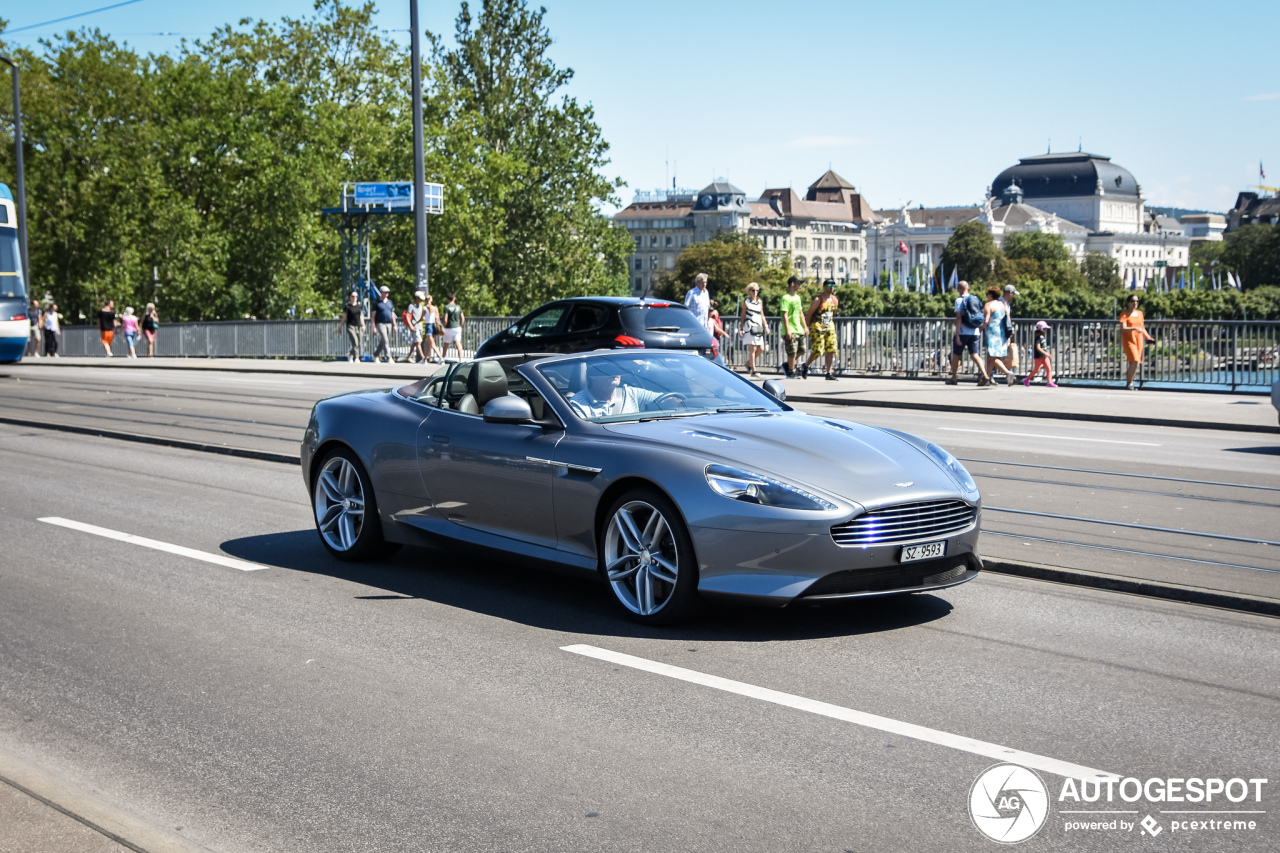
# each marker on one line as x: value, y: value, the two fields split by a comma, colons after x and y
x: 602, y: 322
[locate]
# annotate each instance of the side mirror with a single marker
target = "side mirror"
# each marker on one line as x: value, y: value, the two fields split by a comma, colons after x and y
x: 775, y: 389
x: 508, y: 410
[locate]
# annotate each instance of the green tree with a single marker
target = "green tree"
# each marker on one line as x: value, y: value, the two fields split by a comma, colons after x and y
x: 972, y: 251
x: 1039, y: 255
x: 552, y: 239
x: 1101, y: 271
x: 1253, y: 252
x: 731, y: 261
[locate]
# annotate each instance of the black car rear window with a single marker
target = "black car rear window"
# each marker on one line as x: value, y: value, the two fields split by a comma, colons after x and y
x: 647, y: 318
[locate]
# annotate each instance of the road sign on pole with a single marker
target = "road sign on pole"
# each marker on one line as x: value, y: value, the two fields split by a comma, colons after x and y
x: 419, y: 166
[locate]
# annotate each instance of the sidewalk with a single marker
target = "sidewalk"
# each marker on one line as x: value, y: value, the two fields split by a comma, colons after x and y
x: 1206, y: 410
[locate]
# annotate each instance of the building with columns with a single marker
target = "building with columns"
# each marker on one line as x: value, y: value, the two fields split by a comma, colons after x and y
x: 823, y: 230
x: 1094, y: 204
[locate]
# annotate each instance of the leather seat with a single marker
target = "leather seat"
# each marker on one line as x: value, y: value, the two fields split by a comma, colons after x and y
x: 487, y: 381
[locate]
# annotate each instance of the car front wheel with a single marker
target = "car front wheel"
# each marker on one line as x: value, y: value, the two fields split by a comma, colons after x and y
x: 346, y: 510
x: 647, y: 559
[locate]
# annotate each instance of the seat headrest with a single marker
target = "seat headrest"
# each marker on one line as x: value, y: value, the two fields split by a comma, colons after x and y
x: 488, y: 381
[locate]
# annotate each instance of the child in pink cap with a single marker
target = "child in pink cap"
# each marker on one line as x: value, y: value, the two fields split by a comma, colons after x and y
x: 1042, y: 359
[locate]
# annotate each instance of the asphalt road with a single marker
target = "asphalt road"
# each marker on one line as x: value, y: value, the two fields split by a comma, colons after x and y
x: 428, y: 704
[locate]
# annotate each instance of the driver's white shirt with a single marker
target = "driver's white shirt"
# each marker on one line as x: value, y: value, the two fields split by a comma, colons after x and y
x: 625, y: 400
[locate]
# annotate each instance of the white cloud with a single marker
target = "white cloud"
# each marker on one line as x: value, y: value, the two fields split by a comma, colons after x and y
x: 825, y: 142
x: 1269, y: 97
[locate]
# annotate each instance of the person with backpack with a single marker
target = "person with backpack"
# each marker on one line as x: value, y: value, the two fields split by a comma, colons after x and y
x: 969, y: 319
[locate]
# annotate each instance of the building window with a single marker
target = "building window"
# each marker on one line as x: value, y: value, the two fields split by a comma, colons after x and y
x: 653, y: 262
x: 639, y: 283
x: 639, y: 242
x: 670, y: 241
x: 784, y: 243
x: 830, y: 245
x: 802, y: 243
x: 684, y: 240
x: 639, y: 264
x: 800, y: 264
x: 843, y: 266
x: 842, y: 245
x: 671, y: 262
x: 653, y: 240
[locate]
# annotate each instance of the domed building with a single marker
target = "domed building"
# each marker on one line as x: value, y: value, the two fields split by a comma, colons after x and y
x: 1087, y: 189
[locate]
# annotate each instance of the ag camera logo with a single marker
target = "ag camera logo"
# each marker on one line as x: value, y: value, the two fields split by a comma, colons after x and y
x: 1008, y: 803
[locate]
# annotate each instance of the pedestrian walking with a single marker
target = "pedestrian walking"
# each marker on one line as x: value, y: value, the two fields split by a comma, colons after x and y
x: 821, y: 318
x: 52, y: 322
x: 354, y: 322
x: 1041, y: 355
x: 794, y: 330
x: 417, y: 325
x: 131, y: 331
x: 1010, y: 292
x: 150, y: 326
x: 995, y: 335
x: 718, y: 334
x: 751, y: 326
x: 454, y: 320
x: 969, y: 317
x: 1134, y: 337
x: 36, y: 334
x: 107, y: 324
x: 384, y: 322
x: 433, y: 331
x: 698, y: 300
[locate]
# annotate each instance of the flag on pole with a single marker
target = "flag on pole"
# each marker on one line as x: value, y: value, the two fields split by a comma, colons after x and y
x: 954, y: 282
x: 1180, y: 282
x: 1261, y: 172
x: 1232, y: 281
x: 1133, y: 282
x: 902, y: 247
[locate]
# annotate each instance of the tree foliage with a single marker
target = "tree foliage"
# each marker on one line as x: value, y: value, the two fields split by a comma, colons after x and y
x: 210, y: 166
x: 973, y: 251
x: 1101, y: 271
x: 1253, y: 253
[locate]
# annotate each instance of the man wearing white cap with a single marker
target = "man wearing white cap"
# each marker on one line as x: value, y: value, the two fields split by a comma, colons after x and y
x: 417, y: 315
x: 384, y: 320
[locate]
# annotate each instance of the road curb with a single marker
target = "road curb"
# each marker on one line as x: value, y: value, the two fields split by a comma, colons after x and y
x: 1134, y: 586
x: 243, y: 453
x: 1031, y: 413
x: 90, y: 809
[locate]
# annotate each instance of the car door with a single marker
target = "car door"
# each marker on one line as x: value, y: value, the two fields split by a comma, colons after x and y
x: 488, y: 477
x: 541, y: 331
x: 586, y: 328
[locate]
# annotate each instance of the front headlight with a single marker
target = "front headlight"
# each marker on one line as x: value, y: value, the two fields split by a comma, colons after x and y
x: 753, y: 488
x: 954, y: 468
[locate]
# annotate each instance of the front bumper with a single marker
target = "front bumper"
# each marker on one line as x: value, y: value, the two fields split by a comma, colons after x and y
x: 779, y: 568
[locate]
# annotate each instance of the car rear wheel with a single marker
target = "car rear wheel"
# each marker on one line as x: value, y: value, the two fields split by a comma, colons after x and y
x: 346, y: 510
x: 647, y: 559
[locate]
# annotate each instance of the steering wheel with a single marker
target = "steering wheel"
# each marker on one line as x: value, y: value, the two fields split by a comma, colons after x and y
x: 670, y: 396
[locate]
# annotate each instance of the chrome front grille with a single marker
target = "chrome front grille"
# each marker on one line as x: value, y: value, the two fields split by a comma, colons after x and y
x: 892, y: 525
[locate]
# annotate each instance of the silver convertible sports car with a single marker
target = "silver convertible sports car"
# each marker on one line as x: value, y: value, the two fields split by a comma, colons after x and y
x: 669, y: 476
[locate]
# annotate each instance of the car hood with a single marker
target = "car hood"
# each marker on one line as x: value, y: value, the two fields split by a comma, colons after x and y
x: 859, y: 463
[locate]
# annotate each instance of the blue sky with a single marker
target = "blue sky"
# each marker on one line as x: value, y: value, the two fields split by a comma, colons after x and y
x: 923, y: 102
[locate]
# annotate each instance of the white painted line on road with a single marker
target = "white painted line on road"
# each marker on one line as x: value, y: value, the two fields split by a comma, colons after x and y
x: 219, y: 559
x: 848, y: 715
x: 1054, y: 437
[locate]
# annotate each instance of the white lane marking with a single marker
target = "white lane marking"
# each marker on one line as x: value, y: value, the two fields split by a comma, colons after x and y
x: 848, y: 715
x: 219, y: 559
x: 1054, y: 437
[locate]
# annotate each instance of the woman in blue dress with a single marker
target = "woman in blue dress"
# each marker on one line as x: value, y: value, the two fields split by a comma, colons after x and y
x: 995, y: 334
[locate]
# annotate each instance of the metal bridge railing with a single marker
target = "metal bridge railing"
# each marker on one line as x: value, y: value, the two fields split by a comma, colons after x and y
x: 1187, y: 353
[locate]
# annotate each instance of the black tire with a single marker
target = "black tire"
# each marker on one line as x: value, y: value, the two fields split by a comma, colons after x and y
x: 641, y: 584
x: 340, y: 482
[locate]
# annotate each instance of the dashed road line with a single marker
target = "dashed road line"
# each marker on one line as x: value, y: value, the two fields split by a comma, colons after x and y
x: 180, y: 550
x: 848, y: 715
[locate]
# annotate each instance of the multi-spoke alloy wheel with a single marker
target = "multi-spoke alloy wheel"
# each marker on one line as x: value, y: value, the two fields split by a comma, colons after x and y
x: 647, y: 558
x: 339, y: 504
x: 346, y: 514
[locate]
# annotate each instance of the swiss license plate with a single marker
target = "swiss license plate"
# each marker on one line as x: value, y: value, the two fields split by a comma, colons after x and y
x: 926, y: 551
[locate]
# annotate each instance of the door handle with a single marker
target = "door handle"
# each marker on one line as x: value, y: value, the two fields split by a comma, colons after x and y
x: 442, y: 439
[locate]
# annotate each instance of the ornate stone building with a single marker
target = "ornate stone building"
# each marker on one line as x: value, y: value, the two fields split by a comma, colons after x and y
x: 823, y: 230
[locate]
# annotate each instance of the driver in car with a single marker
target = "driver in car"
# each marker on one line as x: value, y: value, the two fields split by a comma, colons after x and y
x: 605, y: 394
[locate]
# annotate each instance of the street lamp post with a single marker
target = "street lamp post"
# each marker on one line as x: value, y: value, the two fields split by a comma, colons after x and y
x: 22, y: 178
x: 419, y: 167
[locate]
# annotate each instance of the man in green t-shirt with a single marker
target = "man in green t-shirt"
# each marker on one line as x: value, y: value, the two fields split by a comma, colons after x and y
x: 453, y: 321
x: 794, y: 330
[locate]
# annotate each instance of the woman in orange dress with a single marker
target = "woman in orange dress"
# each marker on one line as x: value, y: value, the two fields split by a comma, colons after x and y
x: 1133, y: 337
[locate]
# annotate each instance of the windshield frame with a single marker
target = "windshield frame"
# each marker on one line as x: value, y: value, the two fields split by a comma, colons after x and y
x: 748, y: 397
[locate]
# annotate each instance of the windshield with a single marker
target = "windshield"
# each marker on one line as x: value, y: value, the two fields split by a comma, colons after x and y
x: 10, y: 265
x: 631, y: 387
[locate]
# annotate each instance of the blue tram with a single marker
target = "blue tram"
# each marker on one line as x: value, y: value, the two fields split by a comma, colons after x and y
x: 15, y: 327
